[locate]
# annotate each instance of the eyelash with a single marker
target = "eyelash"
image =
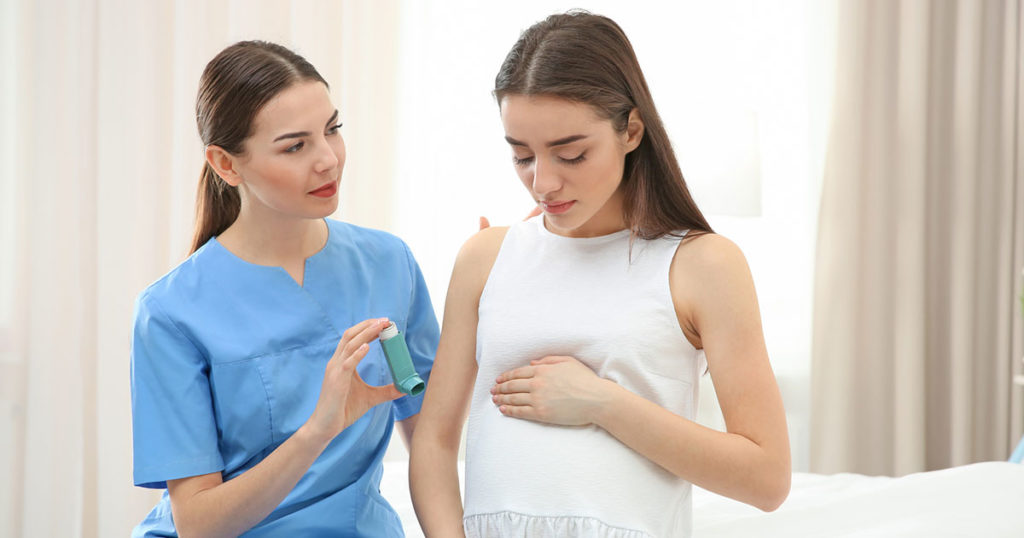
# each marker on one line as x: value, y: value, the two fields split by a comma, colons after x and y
x: 527, y: 160
x: 332, y: 130
x: 520, y: 162
x: 575, y: 160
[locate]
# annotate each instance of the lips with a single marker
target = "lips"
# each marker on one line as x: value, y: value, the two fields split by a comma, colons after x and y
x: 557, y: 206
x: 326, y: 191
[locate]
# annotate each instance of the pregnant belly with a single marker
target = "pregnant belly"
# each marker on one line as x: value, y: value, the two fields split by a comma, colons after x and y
x: 545, y: 470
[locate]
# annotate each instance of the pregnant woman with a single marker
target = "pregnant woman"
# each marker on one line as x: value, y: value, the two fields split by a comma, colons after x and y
x: 576, y: 339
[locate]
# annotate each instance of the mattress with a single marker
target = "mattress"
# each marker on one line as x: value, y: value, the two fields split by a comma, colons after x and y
x: 982, y: 499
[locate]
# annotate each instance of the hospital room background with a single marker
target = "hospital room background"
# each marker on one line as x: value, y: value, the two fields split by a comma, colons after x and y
x: 867, y: 156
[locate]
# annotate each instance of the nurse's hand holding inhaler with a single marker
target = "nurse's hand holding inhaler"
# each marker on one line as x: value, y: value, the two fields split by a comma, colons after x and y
x: 344, y: 396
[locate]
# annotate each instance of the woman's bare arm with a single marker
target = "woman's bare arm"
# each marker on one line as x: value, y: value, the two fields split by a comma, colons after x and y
x: 433, y: 471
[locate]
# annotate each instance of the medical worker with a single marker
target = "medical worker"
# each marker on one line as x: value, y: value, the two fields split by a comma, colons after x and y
x: 261, y: 400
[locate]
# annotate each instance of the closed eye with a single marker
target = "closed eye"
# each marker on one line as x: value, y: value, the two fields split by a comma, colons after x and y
x: 574, y: 160
x: 521, y: 161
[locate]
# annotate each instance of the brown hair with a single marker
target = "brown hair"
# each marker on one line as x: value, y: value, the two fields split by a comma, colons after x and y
x: 588, y: 59
x: 233, y: 88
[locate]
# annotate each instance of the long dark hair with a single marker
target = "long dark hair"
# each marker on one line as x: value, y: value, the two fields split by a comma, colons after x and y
x: 588, y: 59
x: 233, y: 88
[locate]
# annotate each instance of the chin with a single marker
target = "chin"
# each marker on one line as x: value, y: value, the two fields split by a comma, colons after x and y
x: 565, y: 223
x: 325, y: 211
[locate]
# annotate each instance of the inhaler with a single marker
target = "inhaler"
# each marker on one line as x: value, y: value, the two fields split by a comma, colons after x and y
x: 399, y: 361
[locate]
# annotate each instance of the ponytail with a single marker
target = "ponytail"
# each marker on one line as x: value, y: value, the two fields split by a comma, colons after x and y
x: 217, y: 206
x: 234, y: 86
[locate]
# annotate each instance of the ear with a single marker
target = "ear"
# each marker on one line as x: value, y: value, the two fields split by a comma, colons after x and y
x: 634, y: 130
x: 224, y: 164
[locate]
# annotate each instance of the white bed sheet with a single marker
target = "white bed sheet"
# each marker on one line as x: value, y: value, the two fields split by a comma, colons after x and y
x: 982, y: 500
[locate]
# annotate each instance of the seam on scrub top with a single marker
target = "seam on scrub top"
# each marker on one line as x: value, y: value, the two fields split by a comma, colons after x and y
x: 323, y: 312
x: 270, y: 407
x: 215, y: 459
x: 405, y: 403
x: 156, y: 306
x: 412, y: 282
x: 278, y: 352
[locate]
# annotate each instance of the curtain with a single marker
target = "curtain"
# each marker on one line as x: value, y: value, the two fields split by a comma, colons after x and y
x: 917, y: 330
x: 104, y: 158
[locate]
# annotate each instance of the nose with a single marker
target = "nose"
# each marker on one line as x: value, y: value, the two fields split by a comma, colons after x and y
x: 328, y: 157
x: 545, y: 178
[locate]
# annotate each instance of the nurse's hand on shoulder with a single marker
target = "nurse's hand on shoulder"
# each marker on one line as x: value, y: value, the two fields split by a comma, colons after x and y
x: 485, y: 223
x: 555, y: 389
x: 344, y: 396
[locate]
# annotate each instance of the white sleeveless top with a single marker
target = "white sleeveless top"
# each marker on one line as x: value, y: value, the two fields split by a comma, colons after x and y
x: 588, y: 298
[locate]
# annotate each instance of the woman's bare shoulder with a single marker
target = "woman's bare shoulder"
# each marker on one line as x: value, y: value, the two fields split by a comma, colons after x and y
x: 475, y: 259
x: 708, y: 252
x: 483, y: 246
x: 709, y: 276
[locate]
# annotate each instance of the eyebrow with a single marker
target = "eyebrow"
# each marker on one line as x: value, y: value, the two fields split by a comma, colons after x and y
x: 301, y: 134
x: 553, y: 143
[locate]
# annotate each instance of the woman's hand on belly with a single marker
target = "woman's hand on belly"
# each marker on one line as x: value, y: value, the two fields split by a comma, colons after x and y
x: 554, y: 390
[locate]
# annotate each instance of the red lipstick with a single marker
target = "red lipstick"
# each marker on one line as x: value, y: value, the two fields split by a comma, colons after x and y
x: 326, y: 191
x: 557, y: 207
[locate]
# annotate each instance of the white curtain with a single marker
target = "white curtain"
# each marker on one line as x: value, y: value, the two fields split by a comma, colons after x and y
x: 917, y: 329
x: 101, y: 162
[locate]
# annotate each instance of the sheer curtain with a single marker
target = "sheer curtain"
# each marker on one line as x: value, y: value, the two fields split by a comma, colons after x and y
x: 101, y: 160
x: 917, y: 331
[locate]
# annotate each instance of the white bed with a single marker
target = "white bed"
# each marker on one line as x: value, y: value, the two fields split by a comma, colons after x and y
x: 982, y: 500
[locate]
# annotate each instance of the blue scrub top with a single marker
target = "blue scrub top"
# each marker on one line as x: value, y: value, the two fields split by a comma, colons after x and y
x: 227, y: 361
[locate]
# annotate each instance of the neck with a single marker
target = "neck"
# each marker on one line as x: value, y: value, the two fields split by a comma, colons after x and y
x: 274, y: 240
x: 609, y: 219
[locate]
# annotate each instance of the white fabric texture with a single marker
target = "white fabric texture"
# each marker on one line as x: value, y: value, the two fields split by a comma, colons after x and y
x: 595, y: 300
x: 514, y: 524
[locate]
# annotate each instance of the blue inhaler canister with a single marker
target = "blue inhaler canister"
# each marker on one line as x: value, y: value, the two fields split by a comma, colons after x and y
x: 399, y: 361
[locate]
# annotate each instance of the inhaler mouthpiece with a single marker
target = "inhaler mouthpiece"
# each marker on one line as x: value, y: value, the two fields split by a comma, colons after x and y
x: 389, y: 332
x: 399, y: 362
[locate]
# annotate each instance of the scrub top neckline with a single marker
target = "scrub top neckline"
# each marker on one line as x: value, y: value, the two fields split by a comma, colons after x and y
x: 277, y: 268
